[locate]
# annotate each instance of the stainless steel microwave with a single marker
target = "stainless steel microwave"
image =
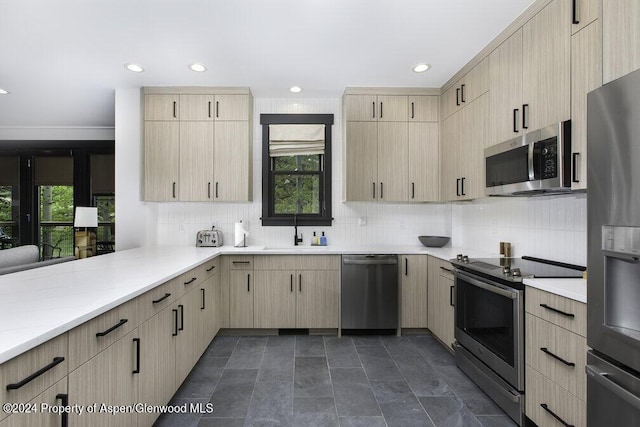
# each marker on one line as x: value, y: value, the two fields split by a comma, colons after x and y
x: 535, y: 163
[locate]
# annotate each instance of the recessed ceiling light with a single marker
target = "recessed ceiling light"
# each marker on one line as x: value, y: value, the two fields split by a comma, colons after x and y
x: 198, y: 67
x: 134, y: 67
x: 295, y: 89
x: 4, y: 92
x: 421, y: 68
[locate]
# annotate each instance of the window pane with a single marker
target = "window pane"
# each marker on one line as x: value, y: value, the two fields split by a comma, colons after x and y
x: 297, y: 163
x: 297, y: 194
x: 8, y: 217
x: 106, y: 222
x: 56, y: 220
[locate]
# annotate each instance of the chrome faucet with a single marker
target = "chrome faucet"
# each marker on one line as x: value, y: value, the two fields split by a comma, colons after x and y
x: 296, y: 239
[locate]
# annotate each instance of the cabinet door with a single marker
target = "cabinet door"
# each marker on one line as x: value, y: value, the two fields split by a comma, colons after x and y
x: 586, y: 75
x: 393, y: 152
x: 107, y: 379
x: 424, y: 162
x: 473, y: 133
x: 505, y: 82
x: 188, y: 350
x: 161, y: 154
x: 474, y: 83
x: 446, y: 291
x: 53, y: 397
x: 317, y: 299
x: 360, y: 108
x: 240, y: 299
x: 274, y: 299
x: 620, y: 38
x: 161, y: 107
x: 157, y: 380
x: 232, y: 162
x: 439, y: 300
x: 546, y: 46
x: 449, y: 178
x: 196, y: 107
x: 423, y: 108
x: 434, y: 308
x: 232, y: 107
x: 393, y: 108
x: 583, y: 13
x: 414, y: 291
x: 209, y: 291
x: 361, y: 162
x: 450, y: 100
x: 196, y: 161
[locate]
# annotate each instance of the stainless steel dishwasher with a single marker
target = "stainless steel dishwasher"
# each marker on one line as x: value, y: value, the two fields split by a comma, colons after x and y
x: 369, y: 292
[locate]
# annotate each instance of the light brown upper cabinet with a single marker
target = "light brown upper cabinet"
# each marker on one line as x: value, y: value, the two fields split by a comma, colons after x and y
x: 620, y: 38
x: 391, y: 148
x: 464, y: 138
x: 197, y: 144
x: 586, y: 75
x: 530, y: 74
x: 466, y: 89
x: 583, y: 12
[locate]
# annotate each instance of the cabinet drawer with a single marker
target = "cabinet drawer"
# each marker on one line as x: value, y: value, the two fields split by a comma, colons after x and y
x: 150, y: 303
x: 560, y: 354
x: 92, y: 337
x: 210, y: 267
x: 445, y: 269
x: 318, y: 262
x: 53, y: 397
x: 561, y: 311
x: 275, y: 262
x: 187, y: 281
x: 31, y: 373
x: 241, y: 262
x: 543, y: 393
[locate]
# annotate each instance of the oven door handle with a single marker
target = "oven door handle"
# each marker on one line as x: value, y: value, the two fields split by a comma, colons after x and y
x: 487, y: 287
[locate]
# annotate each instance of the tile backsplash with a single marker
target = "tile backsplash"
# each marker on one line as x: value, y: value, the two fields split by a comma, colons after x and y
x: 548, y: 227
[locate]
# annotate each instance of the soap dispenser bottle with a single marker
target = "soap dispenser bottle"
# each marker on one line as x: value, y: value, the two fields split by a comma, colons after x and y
x: 323, y: 240
x: 314, y: 239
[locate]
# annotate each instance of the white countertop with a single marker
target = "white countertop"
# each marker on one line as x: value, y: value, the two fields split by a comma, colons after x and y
x: 575, y: 289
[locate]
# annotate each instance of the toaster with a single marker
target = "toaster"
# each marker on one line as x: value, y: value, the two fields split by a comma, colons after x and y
x: 209, y: 238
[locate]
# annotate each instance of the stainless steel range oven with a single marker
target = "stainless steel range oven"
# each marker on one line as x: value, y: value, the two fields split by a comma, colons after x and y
x: 489, y: 323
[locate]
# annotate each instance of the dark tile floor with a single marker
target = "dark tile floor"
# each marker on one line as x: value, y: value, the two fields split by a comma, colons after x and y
x: 329, y: 381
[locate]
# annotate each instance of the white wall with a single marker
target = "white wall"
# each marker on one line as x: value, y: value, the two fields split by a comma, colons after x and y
x: 548, y: 227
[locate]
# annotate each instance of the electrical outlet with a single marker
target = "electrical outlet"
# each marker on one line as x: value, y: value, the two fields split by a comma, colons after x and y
x: 362, y: 221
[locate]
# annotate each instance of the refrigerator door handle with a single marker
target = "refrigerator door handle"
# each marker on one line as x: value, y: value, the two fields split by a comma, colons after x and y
x: 602, y: 379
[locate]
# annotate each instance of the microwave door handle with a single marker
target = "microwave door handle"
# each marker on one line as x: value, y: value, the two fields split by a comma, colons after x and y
x: 487, y: 287
x: 532, y: 172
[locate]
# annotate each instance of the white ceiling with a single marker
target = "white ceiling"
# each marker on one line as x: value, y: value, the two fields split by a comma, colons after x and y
x: 62, y: 60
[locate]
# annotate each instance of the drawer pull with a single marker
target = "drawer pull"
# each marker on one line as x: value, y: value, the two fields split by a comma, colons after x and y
x: 546, y: 351
x: 563, y: 422
x: 555, y: 310
x: 181, y: 308
x: 156, y: 301
x: 113, y: 328
x: 137, y: 370
x: 188, y: 282
x: 445, y: 269
x: 451, y: 302
x: 211, y: 268
x: 241, y: 262
x: 175, y: 323
x: 202, y: 307
x: 15, y: 386
x: 64, y: 401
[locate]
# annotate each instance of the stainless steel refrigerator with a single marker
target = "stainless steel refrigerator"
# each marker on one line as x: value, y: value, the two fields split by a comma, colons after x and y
x: 613, y: 244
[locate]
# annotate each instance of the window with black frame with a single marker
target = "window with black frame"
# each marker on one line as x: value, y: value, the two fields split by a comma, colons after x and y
x: 296, y: 168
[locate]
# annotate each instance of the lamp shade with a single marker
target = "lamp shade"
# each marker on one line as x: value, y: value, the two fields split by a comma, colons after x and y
x: 86, y: 217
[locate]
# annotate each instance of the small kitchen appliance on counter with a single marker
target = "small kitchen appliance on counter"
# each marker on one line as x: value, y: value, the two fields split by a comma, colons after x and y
x: 209, y: 238
x: 489, y: 322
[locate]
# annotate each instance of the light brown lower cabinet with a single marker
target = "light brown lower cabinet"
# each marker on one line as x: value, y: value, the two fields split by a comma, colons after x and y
x: 107, y: 380
x: 317, y: 299
x: 413, y: 287
x: 188, y: 347
x: 38, y: 413
x: 546, y: 402
x: 440, y: 300
x: 275, y: 299
x: 241, y: 298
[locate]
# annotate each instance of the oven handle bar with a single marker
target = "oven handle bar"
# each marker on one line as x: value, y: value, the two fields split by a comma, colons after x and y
x: 487, y: 287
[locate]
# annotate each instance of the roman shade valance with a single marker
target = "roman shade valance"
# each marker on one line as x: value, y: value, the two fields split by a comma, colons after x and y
x: 296, y: 140
x: 9, y: 168
x: 53, y: 171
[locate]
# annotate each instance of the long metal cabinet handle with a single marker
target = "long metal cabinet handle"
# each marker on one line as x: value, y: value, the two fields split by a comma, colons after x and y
x: 248, y: 282
x: 381, y: 110
x: 462, y: 186
x: 300, y: 282
x: 576, y: 12
x: 511, y: 294
x: 292, y: 283
x: 451, y: 303
x: 216, y: 189
x: 64, y: 402
x: 240, y: 262
x: 406, y: 266
x: 457, y: 96
x: 525, y: 113
x: 203, y: 293
x: 175, y: 115
x: 181, y: 308
x: 137, y: 343
x: 156, y: 301
x: 448, y: 270
x: 211, y: 268
x: 208, y: 190
x: 515, y: 120
x: 457, y: 186
x: 113, y: 328
x: 602, y: 379
x: 413, y: 112
x: 174, y: 190
x: 462, y: 93
x: 574, y: 167
x: 175, y: 323
x: 15, y: 386
x: 217, y: 109
x: 546, y: 351
x: 190, y: 281
x: 413, y: 190
x: 209, y: 109
x: 373, y: 109
x: 554, y: 415
x: 374, y: 190
x: 370, y: 261
x: 555, y: 310
x: 381, y: 190
x: 532, y: 171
